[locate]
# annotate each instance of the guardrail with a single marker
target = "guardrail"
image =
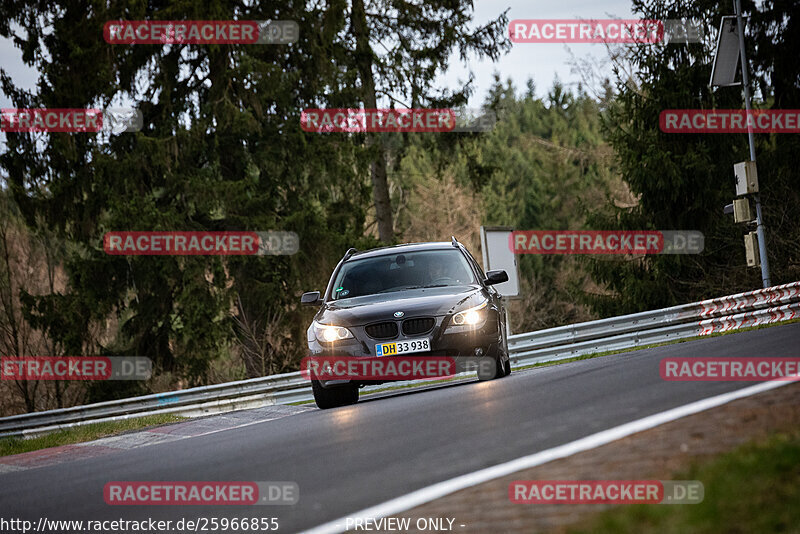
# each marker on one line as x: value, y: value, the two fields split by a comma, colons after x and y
x: 753, y: 308
x: 773, y: 304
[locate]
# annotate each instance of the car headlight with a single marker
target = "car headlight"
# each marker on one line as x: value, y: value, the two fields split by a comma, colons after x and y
x: 328, y: 333
x: 472, y: 317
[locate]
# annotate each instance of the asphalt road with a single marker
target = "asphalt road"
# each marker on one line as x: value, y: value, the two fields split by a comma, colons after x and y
x: 351, y: 458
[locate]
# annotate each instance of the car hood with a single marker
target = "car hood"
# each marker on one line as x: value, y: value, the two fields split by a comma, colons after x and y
x: 412, y: 302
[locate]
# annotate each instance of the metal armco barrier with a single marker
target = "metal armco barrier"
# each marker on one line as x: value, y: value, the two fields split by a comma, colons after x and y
x: 753, y: 308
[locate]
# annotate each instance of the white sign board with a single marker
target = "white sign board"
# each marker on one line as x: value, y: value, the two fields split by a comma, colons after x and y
x: 497, y: 254
x: 726, y: 60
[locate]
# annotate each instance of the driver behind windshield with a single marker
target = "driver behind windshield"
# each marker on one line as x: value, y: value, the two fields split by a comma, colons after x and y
x: 437, y: 272
x: 442, y: 270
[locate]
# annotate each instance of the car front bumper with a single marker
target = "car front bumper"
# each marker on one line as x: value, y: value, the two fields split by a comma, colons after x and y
x: 481, y: 342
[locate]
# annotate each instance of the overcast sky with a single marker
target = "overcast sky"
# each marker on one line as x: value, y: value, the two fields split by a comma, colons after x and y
x: 540, y: 61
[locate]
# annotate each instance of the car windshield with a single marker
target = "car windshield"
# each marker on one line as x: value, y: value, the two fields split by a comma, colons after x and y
x: 396, y: 272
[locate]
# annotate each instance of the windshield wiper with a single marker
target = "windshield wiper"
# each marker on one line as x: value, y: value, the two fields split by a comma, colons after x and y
x: 411, y: 287
x: 398, y: 289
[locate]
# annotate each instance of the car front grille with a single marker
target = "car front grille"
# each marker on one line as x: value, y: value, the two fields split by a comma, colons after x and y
x: 413, y: 327
x: 385, y: 330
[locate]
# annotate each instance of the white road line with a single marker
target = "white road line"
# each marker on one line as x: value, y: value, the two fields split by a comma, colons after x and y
x: 8, y: 468
x: 435, y: 491
x: 128, y: 441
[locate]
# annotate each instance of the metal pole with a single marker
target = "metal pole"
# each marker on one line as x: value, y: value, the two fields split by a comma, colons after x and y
x: 762, y: 240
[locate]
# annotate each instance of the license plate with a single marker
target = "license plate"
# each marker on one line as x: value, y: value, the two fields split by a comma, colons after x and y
x: 403, y: 347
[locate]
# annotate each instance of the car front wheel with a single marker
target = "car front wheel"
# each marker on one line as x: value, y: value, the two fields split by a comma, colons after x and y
x: 335, y: 396
x: 491, y: 368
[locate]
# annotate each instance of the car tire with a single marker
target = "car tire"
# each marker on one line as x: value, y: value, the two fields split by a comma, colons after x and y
x: 507, y: 363
x: 333, y: 397
x: 490, y: 369
x: 501, y: 368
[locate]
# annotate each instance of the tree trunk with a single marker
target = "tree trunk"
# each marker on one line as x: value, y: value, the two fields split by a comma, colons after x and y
x: 380, y: 188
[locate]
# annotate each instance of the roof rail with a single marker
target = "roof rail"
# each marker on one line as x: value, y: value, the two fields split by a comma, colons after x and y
x: 454, y: 241
x: 350, y: 252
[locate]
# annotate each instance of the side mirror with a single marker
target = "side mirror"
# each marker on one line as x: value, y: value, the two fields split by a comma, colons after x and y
x: 311, y: 298
x: 496, y: 277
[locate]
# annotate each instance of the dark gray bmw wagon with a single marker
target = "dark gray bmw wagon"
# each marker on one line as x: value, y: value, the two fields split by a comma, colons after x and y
x: 425, y: 299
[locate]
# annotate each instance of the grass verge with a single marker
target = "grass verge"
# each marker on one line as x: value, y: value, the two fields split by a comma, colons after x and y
x: 754, y: 488
x: 79, y: 434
